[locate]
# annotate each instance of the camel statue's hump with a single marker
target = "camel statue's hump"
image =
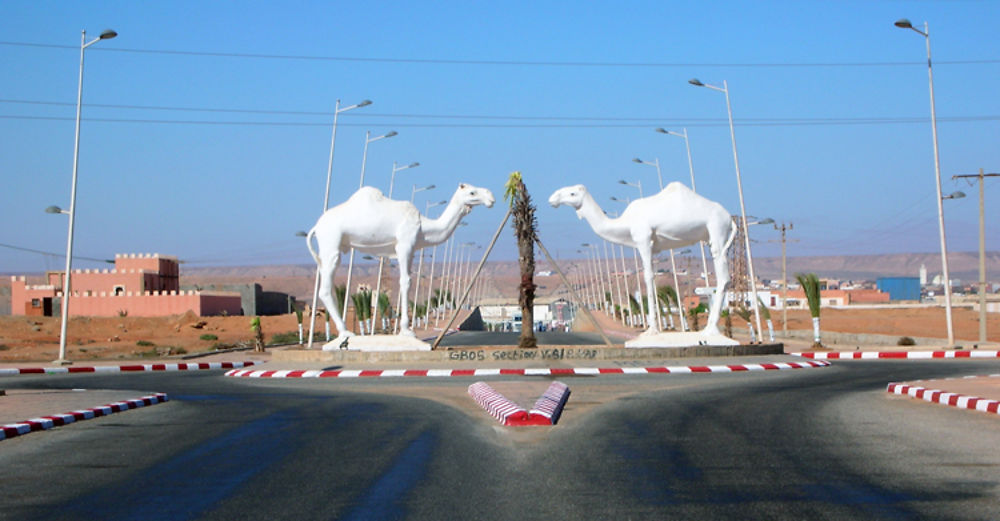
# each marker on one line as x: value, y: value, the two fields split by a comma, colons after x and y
x: 369, y: 193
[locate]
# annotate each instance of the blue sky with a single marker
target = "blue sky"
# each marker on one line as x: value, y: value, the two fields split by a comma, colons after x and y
x: 206, y: 125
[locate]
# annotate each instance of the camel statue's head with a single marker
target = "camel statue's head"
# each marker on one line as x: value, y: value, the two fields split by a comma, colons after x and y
x: 568, y: 195
x: 470, y: 196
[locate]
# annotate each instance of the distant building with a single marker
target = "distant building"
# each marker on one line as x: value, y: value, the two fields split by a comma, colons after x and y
x: 144, y: 285
x: 900, y: 288
x: 253, y: 299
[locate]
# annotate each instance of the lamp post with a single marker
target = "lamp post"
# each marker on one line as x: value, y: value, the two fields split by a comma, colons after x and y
x: 420, y: 263
x: 381, y: 260
x: 903, y: 23
x: 106, y: 35
x: 673, y: 266
x: 635, y: 259
x: 982, y: 250
x: 430, y: 281
x: 637, y: 184
x: 326, y: 204
x: 687, y: 146
x: 364, y: 160
x: 739, y: 186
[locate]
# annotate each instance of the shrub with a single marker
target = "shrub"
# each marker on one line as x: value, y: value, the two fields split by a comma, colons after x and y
x: 208, y: 337
x: 145, y: 343
x: 906, y: 341
x: 290, y: 337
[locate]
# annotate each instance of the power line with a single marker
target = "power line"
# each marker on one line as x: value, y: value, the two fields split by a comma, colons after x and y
x: 534, y: 63
x: 744, y: 123
x: 40, y: 252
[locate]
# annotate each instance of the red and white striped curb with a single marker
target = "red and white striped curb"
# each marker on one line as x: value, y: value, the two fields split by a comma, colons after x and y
x: 530, y: 371
x: 546, y: 411
x: 48, y: 422
x: 12, y: 371
x: 908, y: 355
x: 550, y: 404
x: 945, y: 398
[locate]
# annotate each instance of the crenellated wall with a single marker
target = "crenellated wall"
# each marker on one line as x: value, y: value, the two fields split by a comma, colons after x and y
x: 139, y: 285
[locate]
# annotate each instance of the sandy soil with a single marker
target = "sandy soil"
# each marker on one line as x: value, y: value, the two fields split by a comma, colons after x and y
x: 37, y: 338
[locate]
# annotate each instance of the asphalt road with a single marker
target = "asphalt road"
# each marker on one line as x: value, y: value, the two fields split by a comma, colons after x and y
x: 824, y: 443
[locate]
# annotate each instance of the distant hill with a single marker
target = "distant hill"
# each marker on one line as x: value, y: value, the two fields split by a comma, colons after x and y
x: 963, y: 266
x: 298, y: 280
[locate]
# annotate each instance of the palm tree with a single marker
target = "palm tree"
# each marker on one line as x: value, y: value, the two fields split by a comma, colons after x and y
x: 766, y: 313
x: 667, y: 295
x: 362, y: 307
x: 744, y: 313
x: 384, y: 308
x: 694, y: 313
x: 810, y: 285
x: 525, y: 229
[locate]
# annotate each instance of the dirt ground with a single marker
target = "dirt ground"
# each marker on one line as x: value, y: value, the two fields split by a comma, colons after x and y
x: 97, y: 338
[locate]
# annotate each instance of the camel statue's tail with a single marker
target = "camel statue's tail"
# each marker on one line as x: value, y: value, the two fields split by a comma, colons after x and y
x: 309, y: 244
x: 733, y: 228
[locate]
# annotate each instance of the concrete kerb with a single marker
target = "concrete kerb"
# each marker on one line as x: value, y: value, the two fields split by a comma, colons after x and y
x: 20, y: 428
x: 126, y: 368
x: 951, y: 399
x: 521, y: 371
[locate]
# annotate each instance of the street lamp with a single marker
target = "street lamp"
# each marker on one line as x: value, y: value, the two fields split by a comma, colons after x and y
x: 673, y: 266
x: 395, y: 169
x: 381, y: 260
x: 739, y: 185
x: 687, y: 145
x: 903, y: 23
x: 364, y: 160
x: 106, y: 35
x: 635, y: 258
x: 416, y: 190
x: 656, y: 163
x: 326, y: 204
x: 637, y: 184
x: 430, y: 281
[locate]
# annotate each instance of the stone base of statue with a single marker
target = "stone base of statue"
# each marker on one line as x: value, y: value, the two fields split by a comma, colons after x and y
x: 678, y: 339
x: 377, y: 343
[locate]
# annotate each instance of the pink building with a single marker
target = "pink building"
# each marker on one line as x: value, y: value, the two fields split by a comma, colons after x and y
x: 145, y: 285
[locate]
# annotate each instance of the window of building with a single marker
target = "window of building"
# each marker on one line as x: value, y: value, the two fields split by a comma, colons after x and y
x: 119, y: 290
x: 36, y: 303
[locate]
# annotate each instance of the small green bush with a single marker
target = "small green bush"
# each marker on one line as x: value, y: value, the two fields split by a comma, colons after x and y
x: 208, y: 337
x: 145, y: 343
x: 291, y: 337
x: 906, y: 341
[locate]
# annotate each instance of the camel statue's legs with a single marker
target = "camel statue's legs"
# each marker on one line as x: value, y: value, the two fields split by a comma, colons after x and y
x: 328, y: 267
x: 645, y: 248
x: 718, y: 245
x: 404, y: 254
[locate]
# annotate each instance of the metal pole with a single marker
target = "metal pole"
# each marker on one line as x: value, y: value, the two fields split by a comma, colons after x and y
x: 940, y: 200
x: 67, y: 286
x: 982, y: 260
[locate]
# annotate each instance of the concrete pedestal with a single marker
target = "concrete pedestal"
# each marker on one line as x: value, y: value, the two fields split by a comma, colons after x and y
x: 377, y: 343
x: 675, y: 339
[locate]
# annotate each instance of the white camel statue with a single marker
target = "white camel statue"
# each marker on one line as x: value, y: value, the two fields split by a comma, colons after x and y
x: 371, y: 223
x: 673, y: 218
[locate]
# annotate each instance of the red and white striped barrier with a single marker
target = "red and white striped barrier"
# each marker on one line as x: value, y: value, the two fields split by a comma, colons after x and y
x: 48, y: 422
x: 896, y: 355
x: 546, y: 411
x: 530, y: 371
x: 945, y: 398
x: 550, y: 404
x: 12, y: 371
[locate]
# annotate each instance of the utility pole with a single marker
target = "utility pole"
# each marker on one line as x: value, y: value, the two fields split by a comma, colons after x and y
x: 784, y: 276
x: 982, y: 250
